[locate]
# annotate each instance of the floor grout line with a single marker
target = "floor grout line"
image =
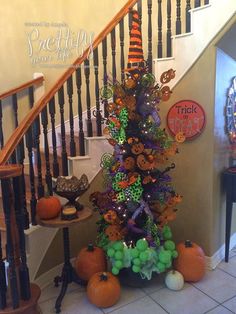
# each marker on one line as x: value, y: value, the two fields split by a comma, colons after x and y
x: 159, y: 303
x: 227, y: 308
x: 218, y: 302
x: 120, y: 307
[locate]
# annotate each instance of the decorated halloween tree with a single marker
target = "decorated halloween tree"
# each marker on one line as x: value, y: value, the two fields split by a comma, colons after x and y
x: 139, y: 200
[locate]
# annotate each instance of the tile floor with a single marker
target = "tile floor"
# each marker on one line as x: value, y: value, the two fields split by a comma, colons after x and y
x: 215, y: 294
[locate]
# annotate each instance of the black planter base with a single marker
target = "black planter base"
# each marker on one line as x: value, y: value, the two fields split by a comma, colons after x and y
x: 129, y: 278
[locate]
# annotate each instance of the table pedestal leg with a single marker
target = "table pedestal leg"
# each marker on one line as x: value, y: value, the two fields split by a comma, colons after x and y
x: 68, y: 273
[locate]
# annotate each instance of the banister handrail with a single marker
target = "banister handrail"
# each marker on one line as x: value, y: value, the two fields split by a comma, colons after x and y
x: 19, y: 132
x: 21, y: 87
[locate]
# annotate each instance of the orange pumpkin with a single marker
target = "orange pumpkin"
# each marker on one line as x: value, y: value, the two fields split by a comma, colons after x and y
x: 190, y: 261
x: 89, y: 261
x: 103, y: 289
x: 48, y: 207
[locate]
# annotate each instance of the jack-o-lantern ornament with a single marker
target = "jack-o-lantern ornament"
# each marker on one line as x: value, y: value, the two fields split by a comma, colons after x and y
x: 191, y: 261
x: 143, y: 163
x: 114, y: 232
x: 137, y: 147
x: 129, y: 163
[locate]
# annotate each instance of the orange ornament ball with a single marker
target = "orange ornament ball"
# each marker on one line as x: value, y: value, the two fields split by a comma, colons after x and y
x: 191, y: 261
x: 48, y: 207
x: 103, y: 289
x: 89, y: 261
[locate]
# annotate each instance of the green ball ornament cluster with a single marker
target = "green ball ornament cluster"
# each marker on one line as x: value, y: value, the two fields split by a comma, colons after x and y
x: 166, y: 254
x: 140, y: 255
x: 116, y: 252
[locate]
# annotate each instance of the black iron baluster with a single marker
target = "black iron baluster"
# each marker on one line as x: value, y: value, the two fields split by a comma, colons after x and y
x: 31, y: 96
x: 15, y: 109
x: 113, y: 52
x: 23, y: 268
x: 3, y: 286
x: 36, y: 133
x: 71, y: 115
x: 55, y: 164
x: 159, y: 22
x: 104, y: 59
x: 1, y: 128
x: 8, y: 212
x: 33, y: 200
x: 178, y: 17
x: 61, y: 101
x: 98, y: 110
x: 80, y: 112
x: 139, y: 7
x: 206, y: 2
x: 122, y: 54
x: 130, y: 20
x: 88, y: 99
x: 149, y: 59
x: 48, y: 176
x: 197, y: 3
x: 21, y: 158
x: 188, y: 16
x: 168, y: 33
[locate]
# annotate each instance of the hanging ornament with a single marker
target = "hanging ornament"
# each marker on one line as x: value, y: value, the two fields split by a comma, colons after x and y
x: 106, y: 161
x: 165, y: 91
x: 180, y: 137
x: 148, y: 80
x: 167, y: 76
x: 106, y: 92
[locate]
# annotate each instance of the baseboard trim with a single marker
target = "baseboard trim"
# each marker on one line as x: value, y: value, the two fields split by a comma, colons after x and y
x: 45, y: 279
x: 219, y: 255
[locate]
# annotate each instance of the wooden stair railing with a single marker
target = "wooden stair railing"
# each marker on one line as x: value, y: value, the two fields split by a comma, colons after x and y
x: 74, y: 89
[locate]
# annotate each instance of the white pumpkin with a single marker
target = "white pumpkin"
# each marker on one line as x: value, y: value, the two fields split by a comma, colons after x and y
x: 174, y: 280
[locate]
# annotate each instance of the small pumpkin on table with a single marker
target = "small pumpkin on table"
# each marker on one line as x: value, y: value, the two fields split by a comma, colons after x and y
x: 48, y: 207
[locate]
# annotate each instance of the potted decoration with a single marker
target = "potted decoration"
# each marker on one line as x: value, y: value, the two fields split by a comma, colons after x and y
x: 139, y: 200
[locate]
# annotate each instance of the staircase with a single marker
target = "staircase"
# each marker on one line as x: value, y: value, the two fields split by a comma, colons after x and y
x: 48, y: 145
x: 187, y: 47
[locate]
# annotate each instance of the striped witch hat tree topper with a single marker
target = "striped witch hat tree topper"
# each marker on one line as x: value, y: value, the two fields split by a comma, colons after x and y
x: 135, y: 57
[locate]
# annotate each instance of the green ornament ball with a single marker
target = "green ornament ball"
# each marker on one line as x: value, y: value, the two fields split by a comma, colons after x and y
x: 134, y: 253
x: 142, y: 245
x: 118, y: 264
x: 148, y: 80
x: 168, y: 265
x: 167, y: 235
x: 119, y: 255
x: 169, y: 245
x: 118, y: 246
x: 144, y: 256
x: 136, y: 269
x: 166, y: 229
x: 111, y: 252
x: 161, y: 267
x: 165, y: 256
x: 137, y: 262
x: 115, y: 271
x: 174, y: 254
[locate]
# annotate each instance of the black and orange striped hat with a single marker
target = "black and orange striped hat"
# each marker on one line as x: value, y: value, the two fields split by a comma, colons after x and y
x: 135, y: 57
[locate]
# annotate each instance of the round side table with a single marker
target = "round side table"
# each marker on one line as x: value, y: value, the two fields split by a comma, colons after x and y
x: 68, y: 274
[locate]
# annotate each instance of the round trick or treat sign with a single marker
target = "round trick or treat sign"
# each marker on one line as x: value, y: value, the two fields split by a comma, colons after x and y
x: 186, y: 117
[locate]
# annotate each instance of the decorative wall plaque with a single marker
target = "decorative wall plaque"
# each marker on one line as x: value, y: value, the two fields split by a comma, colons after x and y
x: 188, y: 117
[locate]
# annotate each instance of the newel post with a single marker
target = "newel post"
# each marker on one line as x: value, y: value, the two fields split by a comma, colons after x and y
x: 16, y: 292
